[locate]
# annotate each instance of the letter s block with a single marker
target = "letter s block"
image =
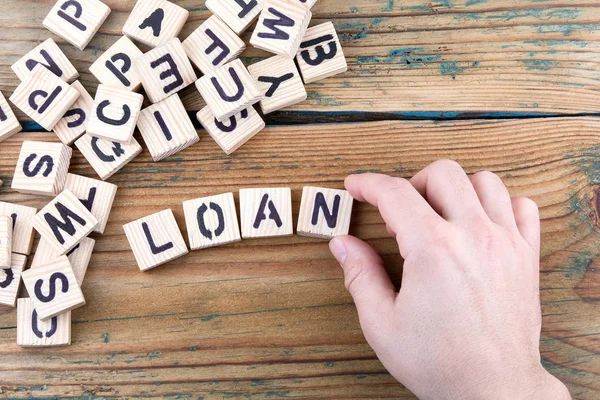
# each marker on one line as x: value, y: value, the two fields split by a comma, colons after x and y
x: 114, y: 67
x: 324, y: 213
x: 320, y: 55
x: 266, y: 212
x: 32, y: 332
x: 154, y: 22
x: 211, y: 221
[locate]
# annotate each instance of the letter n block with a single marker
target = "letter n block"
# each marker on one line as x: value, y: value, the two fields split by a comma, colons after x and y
x: 154, y: 22
x: 320, y: 55
x: 324, y: 213
x: 10, y: 280
x: 76, y: 21
x: 95, y: 195
x: 155, y: 240
x: 6, y: 233
x: 79, y: 256
x: 211, y: 221
x: 9, y: 125
x: 22, y: 239
x: 266, y: 212
x: 238, y: 14
x: 33, y: 332
x: 114, y: 67
x: 107, y: 157
x: 51, y: 57
x: 75, y: 121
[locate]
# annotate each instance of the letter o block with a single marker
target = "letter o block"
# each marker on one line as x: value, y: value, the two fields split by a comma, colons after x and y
x: 153, y: 22
x: 32, y: 332
x: 324, y: 213
x: 211, y: 221
x: 320, y: 55
x: 115, y: 68
x: 266, y: 212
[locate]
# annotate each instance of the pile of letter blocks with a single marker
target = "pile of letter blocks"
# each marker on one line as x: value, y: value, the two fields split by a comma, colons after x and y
x: 102, y: 129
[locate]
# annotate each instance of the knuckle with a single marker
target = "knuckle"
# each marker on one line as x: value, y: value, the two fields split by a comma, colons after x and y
x: 526, y: 206
x: 486, y: 177
x: 354, y: 277
x: 447, y: 165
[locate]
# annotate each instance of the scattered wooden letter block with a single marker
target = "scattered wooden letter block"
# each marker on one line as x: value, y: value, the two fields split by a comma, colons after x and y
x: 280, y: 27
x: 10, y: 280
x: 306, y: 3
x: 107, y: 157
x: 320, y: 55
x: 42, y: 168
x: 213, y: 44
x: 79, y: 256
x: 6, y: 232
x: 32, y: 332
x: 114, y: 67
x: 229, y: 90
x: 166, y: 128
x: 76, y: 21
x: 64, y: 222
x: 266, y: 212
x: 22, y: 239
x: 211, y: 221
x: 232, y: 134
x: 74, y: 123
x: 9, y: 125
x: 95, y: 195
x: 238, y: 14
x: 155, y: 239
x: 278, y: 78
x: 324, y: 213
x: 154, y: 22
x: 50, y: 56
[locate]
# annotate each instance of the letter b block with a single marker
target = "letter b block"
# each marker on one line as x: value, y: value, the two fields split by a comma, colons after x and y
x: 266, y: 212
x: 32, y: 332
x: 320, y: 55
x: 324, y: 213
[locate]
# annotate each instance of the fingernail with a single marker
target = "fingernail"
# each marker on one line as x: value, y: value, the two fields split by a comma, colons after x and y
x: 338, y: 250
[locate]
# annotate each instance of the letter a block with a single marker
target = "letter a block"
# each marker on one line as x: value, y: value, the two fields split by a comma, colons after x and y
x: 22, y: 239
x: 76, y: 21
x: 32, y: 332
x: 6, y: 232
x: 64, y: 222
x: 238, y: 14
x: 211, y: 221
x: 10, y: 280
x: 9, y: 125
x: 155, y: 239
x: 95, y: 195
x: 74, y: 123
x: 107, y: 157
x: 266, y: 212
x: 79, y: 256
x: 153, y: 22
x: 324, y: 213
x: 114, y: 67
x: 50, y: 56
x: 320, y: 55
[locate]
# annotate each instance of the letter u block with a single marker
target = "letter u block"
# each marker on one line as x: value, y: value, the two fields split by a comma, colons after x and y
x: 266, y: 212
x: 324, y: 213
x: 211, y: 221
x: 75, y: 121
x: 107, y: 157
x: 32, y: 332
x: 154, y: 22
x: 114, y: 67
x: 10, y: 280
x: 9, y: 125
x: 238, y: 14
x: 49, y: 55
x: 320, y: 55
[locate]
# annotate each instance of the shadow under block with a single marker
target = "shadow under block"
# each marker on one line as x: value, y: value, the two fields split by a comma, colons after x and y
x: 74, y: 123
x: 53, y: 288
x: 211, y: 221
x: 6, y: 232
x: 9, y: 125
x: 229, y: 90
x: 79, y: 256
x: 115, y: 114
x: 32, y: 332
x: 76, y: 21
x: 10, y: 280
x: 154, y: 22
x: 42, y: 168
x: 266, y: 212
x: 64, y: 222
x: 50, y: 56
x: 324, y: 213
x: 213, y: 44
x: 320, y: 55
x: 231, y: 134
x: 155, y: 239
x: 167, y: 128
x: 22, y: 239
x: 238, y: 15
x: 105, y: 156
x: 97, y: 196
x: 279, y: 81
x: 114, y: 67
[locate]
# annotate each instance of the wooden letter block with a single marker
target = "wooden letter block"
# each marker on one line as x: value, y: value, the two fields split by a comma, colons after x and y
x: 114, y: 67
x: 64, y: 222
x: 53, y: 288
x: 76, y: 21
x: 155, y: 239
x: 42, y: 168
x: 166, y: 128
x: 324, y: 213
x: 233, y: 133
x: 44, y: 97
x: 107, y: 157
x: 306, y: 3
x: 74, y: 123
x: 6, y: 232
x: 238, y: 14
x: 10, y: 280
x: 154, y: 22
x: 50, y: 56
x: 211, y: 221
x: 278, y: 78
x: 115, y: 114
x: 95, y: 195
x: 229, y: 90
x: 266, y: 212
x: 9, y: 125
x: 32, y: 332
x: 79, y: 256
x: 22, y: 239
x: 320, y: 55
x: 281, y: 26
x: 212, y: 45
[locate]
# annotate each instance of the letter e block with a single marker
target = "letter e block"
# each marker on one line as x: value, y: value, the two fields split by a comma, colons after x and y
x: 324, y: 213
x: 211, y: 221
x: 9, y: 125
x: 50, y: 56
x: 95, y: 195
x: 74, y: 123
x: 114, y: 67
x: 266, y: 212
x: 32, y: 332
x: 107, y: 157
x: 10, y: 280
x: 153, y: 22
x: 6, y: 232
x: 237, y: 14
x: 22, y: 238
x: 79, y: 256
x: 320, y: 55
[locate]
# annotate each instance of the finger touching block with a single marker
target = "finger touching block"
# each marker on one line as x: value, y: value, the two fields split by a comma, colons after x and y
x: 22, y: 239
x: 266, y: 212
x: 211, y: 221
x: 114, y: 67
x: 105, y: 156
x: 6, y: 233
x: 154, y: 22
x: 32, y: 332
x: 97, y: 196
x: 49, y: 55
x: 324, y: 213
x: 320, y: 55
x: 75, y: 121
x: 9, y: 125
x: 79, y: 256
x: 10, y: 280
x: 237, y: 14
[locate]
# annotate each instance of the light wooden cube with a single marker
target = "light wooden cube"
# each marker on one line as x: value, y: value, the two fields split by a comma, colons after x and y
x: 211, y: 221
x: 64, y: 222
x: 306, y: 3
x: 53, y: 288
x: 229, y: 90
x: 266, y: 212
x: 213, y: 44
x: 74, y: 123
x: 320, y: 55
x: 44, y: 97
x: 32, y: 332
x: 9, y: 125
x: 50, y: 56
x: 165, y: 70
x: 6, y: 232
x: 76, y: 21
x: 232, y: 134
x: 154, y: 22
x: 42, y: 168
x: 114, y: 67
x: 166, y: 128
x: 324, y: 213
x: 280, y: 27
x: 155, y: 239
x: 22, y: 238
x: 96, y: 196
x: 107, y: 157
x: 280, y: 82
x: 79, y: 256
x: 238, y: 15
x: 10, y: 280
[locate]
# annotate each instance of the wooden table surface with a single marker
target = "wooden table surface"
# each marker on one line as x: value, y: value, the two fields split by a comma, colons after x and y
x: 511, y: 86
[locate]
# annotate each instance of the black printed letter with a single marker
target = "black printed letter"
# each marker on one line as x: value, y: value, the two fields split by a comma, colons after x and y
x: 273, y: 213
x: 57, y: 276
x: 217, y: 43
x: 154, y: 21
x: 35, y: 329
x: 150, y: 239
x: 275, y: 82
x: 232, y: 122
x: 117, y: 150
x: 51, y: 66
x: 273, y: 24
x: 163, y: 126
x: 43, y: 94
x: 172, y: 71
x: 120, y: 74
x: 76, y: 14
x: 321, y: 54
x: 66, y: 225
x: 49, y: 161
x: 321, y: 204
x: 200, y: 216
x: 238, y: 83
x: 80, y: 117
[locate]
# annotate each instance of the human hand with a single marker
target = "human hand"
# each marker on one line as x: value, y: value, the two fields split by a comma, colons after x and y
x: 466, y: 323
